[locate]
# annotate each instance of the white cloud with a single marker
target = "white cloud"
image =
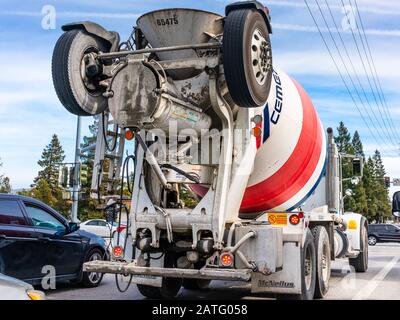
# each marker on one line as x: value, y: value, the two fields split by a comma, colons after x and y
x: 312, y: 29
x: 386, y: 7
x: 74, y: 14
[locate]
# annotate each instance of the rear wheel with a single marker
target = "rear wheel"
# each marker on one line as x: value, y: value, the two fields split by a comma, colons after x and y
x: 76, y: 75
x: 360, y: 263
x: 308, y: 271
x: 93, y: 279
x: 247, y: 58
x: 196, y: 284
x: 372, y: 240
x: 169, y: 287
x: 323, y: 257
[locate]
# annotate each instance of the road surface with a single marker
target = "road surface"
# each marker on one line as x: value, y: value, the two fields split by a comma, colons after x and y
x: 381, y: 282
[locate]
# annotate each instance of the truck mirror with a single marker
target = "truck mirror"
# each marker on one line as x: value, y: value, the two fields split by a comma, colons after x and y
x: 357, y: 167
x: 396, y: 204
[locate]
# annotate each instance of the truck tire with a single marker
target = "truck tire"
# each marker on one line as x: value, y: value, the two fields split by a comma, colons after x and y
x: 360, y: 263
x: 80, y: 94
x: 169, y: 287
x: 247, y: 58
x: 308, y: 271
x: 323, y: 253
x: 196, y: 284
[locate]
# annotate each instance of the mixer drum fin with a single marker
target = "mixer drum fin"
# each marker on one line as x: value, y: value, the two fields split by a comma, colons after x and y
x: 247, y: 58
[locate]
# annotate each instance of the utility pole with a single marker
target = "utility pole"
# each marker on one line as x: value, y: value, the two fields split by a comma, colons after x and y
x: 75, y: 189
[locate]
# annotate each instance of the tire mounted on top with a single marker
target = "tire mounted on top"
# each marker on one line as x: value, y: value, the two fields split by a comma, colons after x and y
x: 247, y: 57
x: 76, y: 75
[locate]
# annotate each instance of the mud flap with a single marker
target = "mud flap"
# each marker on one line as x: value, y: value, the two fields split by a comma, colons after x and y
x: 288, y: 280
x: 149, y: 280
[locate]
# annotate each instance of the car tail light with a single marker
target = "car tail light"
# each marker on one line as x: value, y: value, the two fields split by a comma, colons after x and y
x: 226, y: 259
x: 294, y: 219
x: 120, y: 229
x: 118, y: 252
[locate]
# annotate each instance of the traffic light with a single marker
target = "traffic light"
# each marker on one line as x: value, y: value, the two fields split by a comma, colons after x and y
x: 71, y: 177
x: 63, y: 177
x: 84, y: 174
x: 387, y: 182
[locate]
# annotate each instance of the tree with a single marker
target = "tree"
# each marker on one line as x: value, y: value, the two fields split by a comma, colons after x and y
x: 360, y: 203
x: 343, y: 140
x: 87, y: 206
x: 357, y: 145
x: 344, y: 145
x: 52, y: 156
x: 45, y: 187
x: 380, y: 189
x: 5, y: 185
x: 42, y: 192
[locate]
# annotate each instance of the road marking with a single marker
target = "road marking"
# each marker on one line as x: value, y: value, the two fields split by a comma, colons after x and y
x: 367, y: 291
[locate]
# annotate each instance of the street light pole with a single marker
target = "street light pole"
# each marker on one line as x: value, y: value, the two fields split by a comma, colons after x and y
x: 75, y: 189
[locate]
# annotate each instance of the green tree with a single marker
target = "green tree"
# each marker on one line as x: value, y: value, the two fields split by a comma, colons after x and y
x: 45, y: 187
x: 87, y: 206
x: 343, y: 139
x: 360, y: 204
x: 380, y: 189
x: 343, y: 142
x: 52, y: 156
x: 357, y: 145
x: 42, y: 192
x: 5, y: 185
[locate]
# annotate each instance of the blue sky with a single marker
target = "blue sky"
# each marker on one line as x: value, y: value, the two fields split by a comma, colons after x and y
x: 30, y: 111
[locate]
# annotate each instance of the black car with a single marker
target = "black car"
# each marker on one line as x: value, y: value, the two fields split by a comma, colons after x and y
x: 383, y: 233
x: 36, y: 241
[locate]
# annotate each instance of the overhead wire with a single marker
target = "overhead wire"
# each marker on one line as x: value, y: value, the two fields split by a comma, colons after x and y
x: 376, y: 78
x: 388, y: 135
x: 340, y: 73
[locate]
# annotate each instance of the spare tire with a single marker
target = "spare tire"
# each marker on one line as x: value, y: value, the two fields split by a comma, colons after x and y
x: 247, y: 58
x: 81, y: 95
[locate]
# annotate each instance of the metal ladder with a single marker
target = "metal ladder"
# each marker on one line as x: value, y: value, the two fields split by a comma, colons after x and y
x: 110, y: 145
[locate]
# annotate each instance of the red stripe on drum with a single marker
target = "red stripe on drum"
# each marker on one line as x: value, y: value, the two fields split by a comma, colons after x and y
x: 296, y: 172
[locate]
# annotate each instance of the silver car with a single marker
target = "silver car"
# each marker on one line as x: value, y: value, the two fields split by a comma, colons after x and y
x: 13, y: 289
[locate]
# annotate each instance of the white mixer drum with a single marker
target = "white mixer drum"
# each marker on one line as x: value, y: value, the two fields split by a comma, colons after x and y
x: 291, y: 158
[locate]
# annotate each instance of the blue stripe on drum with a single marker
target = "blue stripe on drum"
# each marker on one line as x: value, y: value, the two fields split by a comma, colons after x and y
x: 267, y: 124
x: 313, y: 188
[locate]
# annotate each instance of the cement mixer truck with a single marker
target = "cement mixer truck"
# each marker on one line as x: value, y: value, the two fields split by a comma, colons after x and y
x: 211, y: 115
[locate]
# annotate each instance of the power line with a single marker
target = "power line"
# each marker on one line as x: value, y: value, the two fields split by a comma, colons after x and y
x: 391, y: 137
x: 351, y: 63
x: 376, y: 78
x: 340, y: 73
x: 348, y: 74
x: 367, y: 75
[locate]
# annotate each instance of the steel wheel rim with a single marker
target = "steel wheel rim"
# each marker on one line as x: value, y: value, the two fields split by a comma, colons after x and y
x: 371, y: 240
x: 260, y: 57
x: 308, y: 268
x: 90, y: 84
x: 95, y: 277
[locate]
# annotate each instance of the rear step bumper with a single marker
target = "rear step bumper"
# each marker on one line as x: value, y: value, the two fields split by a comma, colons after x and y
x: 132, y: 269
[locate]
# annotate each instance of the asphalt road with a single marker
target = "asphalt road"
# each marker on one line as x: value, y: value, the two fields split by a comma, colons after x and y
x: 380, y: 282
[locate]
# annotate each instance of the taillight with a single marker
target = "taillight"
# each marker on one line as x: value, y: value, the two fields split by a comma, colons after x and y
x: 118, y: 252
x: 226, y: 259
x: 120, y: 229
x: 294, y: 219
